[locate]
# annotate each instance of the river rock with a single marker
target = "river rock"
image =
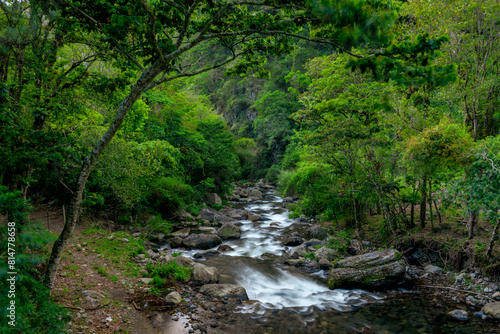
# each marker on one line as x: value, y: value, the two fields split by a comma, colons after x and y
x: 202, y: 241
x: 256, y: 194
x: 181, y: 233
x: 184, y: 261
x: 213, y: 198
x: 208, y: 214
x: 254, y: 218
x: 432, y: 269
x: 225, y: 290
x: 166, y: 258
x: 224, y: 219
x: 317, y: 231
x: 229, y: 231
x: 371, y: 270
x: 325, y: 264
x: 459, y: 315
x: 203, y: 274
x: 287, y: 199
x: 175, y: 242
x: 173, y: 297
x: 238, y: 214
x: 207, y: 252
x: 299, y: 251
x: 325, y: 253
x: 292, y: 241
x: 225, y: 248
x: 244, y: 192
x: 207, y: 229
x: 183, y: 215
x: 492, y: 310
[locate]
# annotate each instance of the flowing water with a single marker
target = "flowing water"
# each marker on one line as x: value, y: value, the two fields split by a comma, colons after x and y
x: 288, y: 300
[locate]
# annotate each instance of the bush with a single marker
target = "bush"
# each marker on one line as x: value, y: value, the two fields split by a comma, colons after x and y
x: 169, y: 270
x: 168, y: 194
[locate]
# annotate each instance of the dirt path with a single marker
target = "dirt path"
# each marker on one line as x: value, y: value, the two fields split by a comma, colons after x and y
x: 84, y: 269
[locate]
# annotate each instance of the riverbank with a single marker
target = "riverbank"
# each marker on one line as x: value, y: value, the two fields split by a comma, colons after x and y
x: 106, y: 291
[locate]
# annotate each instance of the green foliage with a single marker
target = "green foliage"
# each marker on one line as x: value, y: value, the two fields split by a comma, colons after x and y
x: 168, y: 194
x: 36, y: 312
x: 169, y: 270
x: 339, y: 241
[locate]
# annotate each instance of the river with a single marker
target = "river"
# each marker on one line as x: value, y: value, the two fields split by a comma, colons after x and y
x: 285, y: 299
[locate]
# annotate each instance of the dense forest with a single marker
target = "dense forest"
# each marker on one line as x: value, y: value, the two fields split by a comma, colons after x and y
x: 133, y: 111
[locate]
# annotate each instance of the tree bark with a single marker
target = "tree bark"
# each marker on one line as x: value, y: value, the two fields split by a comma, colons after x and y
x: 87, y: 167
x: 423, y: 201
x: 472, y: 223
x: 492, y: 240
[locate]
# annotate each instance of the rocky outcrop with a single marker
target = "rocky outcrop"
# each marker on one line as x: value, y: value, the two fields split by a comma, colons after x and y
x: 202, y: 241
x: 225, y: 290
x: 203, y: 274
x: 372, y: 270
x: 229, y: 231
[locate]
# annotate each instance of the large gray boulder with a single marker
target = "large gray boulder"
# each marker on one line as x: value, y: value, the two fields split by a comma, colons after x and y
x: 203, y: 274
x: 184, y: 261
x: 256, y: 194
x: 225, y: 290
x: 202, y: 241
x: 213, y: 198
x: 325, y: 253
x: 181, y: 233
x: 492, y: 310
x: 372, y: 270
x: 229, y: 231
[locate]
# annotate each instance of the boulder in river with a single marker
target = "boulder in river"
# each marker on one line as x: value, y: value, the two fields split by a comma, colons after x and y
x: 229, y: 231
x: 371, y: 270
x: 256, y: 194
x: 292, y: 241
x: 202, y: 241
x: 203, y: 274
x: 225, y: 290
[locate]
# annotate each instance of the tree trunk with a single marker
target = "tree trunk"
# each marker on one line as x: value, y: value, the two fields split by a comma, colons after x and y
x: 412, y: 216
x: 472, y: 223
x: 437, y: 210
x: 492, y: 240
x: 88, y: 164
x: 423, y: 202
x: 430, y: 205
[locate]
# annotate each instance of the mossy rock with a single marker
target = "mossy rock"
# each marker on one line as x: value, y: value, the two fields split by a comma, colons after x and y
x: 368, y: 278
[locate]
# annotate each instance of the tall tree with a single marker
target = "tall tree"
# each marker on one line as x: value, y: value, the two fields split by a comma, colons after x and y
x: 166, y: 40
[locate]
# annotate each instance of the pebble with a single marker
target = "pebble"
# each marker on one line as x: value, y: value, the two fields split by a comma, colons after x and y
x: 459, y: 279
x: 496, y: 295
x: 175, y: 318
x: 213, y: 325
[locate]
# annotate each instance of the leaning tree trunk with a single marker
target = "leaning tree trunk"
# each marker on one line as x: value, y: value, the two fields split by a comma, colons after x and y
x: 87, y: 167
x: 492, y: 240
x: 423, y: 202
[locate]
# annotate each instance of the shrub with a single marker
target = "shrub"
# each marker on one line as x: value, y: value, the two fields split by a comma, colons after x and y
x: 170, y: 270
